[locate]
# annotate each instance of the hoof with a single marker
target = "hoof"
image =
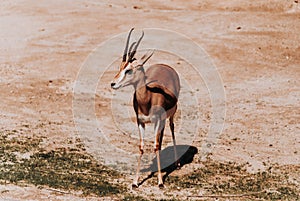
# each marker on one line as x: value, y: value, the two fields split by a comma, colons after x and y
x: 161, y: 186
x: 141, y: 150
x: 134, y: 186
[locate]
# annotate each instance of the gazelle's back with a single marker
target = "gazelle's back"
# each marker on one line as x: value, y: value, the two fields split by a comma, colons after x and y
x: 164, y: 77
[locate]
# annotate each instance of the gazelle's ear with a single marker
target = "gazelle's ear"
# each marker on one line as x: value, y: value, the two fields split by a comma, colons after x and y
x: 146, y: 57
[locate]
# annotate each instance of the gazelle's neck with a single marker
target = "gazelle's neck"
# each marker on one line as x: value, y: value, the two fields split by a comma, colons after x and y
x: 142, y: 94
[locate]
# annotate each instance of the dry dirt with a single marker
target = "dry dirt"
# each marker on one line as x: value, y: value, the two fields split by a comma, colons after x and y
x: 254, y: 45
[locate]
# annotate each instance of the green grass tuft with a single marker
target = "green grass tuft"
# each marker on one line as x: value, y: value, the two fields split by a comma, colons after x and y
x: 230, y: 179
x: 64, y: 168
x: 24, y: 161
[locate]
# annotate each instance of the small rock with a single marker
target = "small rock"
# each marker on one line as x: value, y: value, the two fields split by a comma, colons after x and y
x: 137, y: 7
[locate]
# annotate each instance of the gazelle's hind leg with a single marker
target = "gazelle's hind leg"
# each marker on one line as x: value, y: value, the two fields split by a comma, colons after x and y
x: 171, y: 119
x: 141, y: 133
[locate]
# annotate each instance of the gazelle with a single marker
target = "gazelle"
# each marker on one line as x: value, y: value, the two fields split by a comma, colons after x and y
x: 155, y: 97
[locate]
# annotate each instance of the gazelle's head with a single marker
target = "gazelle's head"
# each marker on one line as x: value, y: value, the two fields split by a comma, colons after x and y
x: 131, y: 69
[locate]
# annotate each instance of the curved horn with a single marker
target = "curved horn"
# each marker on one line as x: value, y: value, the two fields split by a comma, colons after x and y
x: 135, y: 47
x: 131, y: 46
x: 126, y: 47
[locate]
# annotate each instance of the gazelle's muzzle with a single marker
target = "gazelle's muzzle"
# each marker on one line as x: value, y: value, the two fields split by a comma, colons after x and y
x: 117, y: 81
x: 115, y: 85
x: 112, y: 84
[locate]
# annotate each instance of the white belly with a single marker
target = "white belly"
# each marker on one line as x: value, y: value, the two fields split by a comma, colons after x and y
x: 145, y: 119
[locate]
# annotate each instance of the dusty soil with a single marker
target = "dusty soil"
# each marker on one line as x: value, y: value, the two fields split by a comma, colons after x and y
x: 254, y: 45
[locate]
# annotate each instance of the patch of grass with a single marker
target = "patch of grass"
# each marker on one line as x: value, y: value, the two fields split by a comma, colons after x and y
x: 230, y: 179
x: 134, y: 198
x: 140, y: 198
x: 24, y: 161
x: 18, y: 144
x: 64, y: 168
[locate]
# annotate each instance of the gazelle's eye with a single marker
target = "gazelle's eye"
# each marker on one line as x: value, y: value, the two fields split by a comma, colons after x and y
x: 129, y: 72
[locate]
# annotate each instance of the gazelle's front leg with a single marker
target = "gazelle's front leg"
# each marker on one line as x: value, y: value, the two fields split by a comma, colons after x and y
x: 141, y: 147
x: 158, y: 128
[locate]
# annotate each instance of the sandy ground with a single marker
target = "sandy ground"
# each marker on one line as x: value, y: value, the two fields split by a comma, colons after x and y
x: 254, y: 45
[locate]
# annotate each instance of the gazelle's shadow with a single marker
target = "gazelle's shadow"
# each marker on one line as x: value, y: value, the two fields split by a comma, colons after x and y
x: 185, y: 153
